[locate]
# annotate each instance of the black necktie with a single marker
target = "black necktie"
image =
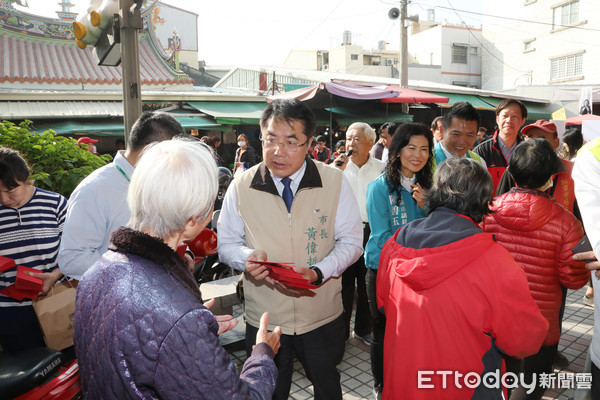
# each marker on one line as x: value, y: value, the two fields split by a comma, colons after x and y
x: 287, y: 194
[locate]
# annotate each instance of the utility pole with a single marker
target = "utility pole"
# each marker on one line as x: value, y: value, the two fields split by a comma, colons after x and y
x: 131, y: 22
x: 403, y: 53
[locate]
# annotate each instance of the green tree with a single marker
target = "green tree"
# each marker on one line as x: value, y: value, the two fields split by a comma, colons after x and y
x: 57, y: 162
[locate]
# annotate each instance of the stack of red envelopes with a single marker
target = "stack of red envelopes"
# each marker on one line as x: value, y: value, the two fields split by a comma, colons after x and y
x: 25, y: 286
x: 6, y: 263
x: 285, y: 273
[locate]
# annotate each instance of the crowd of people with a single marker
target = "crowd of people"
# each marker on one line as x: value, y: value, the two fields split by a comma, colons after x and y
x: 457, y: 246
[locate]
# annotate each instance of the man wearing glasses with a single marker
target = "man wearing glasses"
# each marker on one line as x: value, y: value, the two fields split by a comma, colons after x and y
x: 290, y: 209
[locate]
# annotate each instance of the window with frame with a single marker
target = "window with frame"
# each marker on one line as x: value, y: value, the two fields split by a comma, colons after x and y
x: 459, y: 54
x: 354, y: 57
x: 565, y: 14
x: 566, y: 67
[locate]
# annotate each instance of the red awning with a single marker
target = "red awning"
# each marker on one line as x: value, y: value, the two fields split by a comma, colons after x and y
x: 578, y: 119
x: 406, y: 95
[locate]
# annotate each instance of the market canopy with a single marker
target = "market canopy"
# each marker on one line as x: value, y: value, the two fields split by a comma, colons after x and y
x: 322, y: 93
x: 231, y: 112
x: 535, y: 111
x: 346, y: 116
x: 475, y: 101
x: 114, y: 128
x: 345, y: 102
x: 406, y: 95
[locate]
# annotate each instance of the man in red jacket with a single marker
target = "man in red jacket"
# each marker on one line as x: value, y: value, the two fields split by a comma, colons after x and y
x: 540, y: 234
x: 454, y: 300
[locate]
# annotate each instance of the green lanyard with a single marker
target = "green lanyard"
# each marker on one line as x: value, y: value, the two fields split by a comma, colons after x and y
x: 122, y: 172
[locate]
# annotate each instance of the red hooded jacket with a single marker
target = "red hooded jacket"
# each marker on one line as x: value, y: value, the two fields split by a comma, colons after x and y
x: 540, y: 234
x: 454, y: 300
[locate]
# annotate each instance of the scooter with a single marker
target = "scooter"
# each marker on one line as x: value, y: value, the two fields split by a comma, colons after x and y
x: 39, y: 373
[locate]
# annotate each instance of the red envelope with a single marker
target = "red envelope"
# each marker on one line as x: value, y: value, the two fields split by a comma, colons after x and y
x: 12, y: 291
x: 284, y: 273
x: 27, y: 282
x: 6, y: 264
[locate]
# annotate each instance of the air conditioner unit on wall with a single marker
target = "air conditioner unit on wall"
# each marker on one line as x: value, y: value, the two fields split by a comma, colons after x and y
x: 389, y: 61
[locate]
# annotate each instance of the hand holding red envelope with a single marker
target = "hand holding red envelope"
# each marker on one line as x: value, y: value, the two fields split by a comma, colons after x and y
x: 25, y: 281
x: 284, y: 273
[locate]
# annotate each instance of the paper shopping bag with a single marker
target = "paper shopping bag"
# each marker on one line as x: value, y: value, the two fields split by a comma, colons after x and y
x: 55, y: 314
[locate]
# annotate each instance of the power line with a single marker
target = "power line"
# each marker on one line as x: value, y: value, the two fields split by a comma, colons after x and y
x: 518, y: 19
x: 321, y: 23
x: 477, y: 39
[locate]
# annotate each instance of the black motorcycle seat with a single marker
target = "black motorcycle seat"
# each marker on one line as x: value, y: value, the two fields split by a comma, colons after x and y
x: 22, y: 371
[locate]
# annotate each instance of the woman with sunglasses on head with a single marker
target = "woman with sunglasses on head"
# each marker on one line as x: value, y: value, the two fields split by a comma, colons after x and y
x: 395, y: 198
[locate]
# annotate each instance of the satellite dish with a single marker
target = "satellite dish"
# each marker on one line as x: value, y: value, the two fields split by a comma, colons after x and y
x: 394, y: 13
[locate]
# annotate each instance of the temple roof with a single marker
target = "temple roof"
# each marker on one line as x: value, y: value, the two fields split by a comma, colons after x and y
x: 36, y: 49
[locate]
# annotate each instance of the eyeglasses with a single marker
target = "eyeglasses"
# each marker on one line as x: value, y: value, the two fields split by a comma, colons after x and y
x: 288, y: 145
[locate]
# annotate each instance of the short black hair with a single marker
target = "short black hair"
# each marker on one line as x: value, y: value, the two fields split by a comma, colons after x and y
x: 435, y: 122
x: 153, y: 127
x: 288, y: 110
x: 339, y: 144
x: 390, y: 126
x: 321, y: 138
x: 508, y: 102
x: 574, y: 139
x: 462, y: 185
x: 461, y: 110
x: 533, y: 162
x: 13, y: 168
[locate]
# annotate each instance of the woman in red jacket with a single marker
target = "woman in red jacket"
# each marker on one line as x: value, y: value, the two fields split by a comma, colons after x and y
x: 539, y: 233
x: 448, y: 310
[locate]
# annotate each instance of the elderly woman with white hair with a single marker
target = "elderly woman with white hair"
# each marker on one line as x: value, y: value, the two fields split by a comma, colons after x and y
x: 141, y: 330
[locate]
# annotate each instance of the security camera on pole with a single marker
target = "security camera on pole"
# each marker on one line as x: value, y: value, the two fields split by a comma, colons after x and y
x: 394, y: 13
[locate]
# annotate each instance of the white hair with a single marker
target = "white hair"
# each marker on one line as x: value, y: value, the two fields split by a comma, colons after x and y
x: 365, y: 128
x: 173, y: 181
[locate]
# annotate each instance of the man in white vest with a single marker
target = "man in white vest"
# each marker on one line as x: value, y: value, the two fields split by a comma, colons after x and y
x: 290, y: 209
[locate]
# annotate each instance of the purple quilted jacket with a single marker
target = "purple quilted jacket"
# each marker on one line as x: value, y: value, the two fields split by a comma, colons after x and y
x: 141, y: 331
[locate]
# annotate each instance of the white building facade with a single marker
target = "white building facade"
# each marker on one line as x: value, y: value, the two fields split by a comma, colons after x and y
x: 540, y: 43
x: 439, y: 53
x: 456, y: 49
